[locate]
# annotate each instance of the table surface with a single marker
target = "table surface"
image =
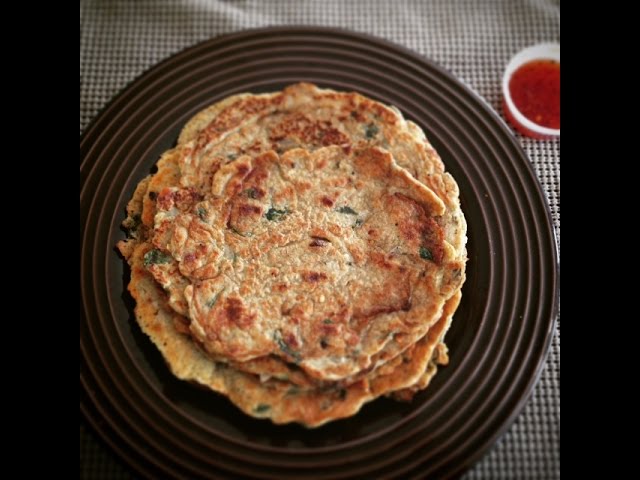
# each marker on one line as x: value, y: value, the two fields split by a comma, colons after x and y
x: 474, y: 40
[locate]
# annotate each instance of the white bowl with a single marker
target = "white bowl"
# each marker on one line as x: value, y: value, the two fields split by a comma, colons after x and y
x: 542, y: 51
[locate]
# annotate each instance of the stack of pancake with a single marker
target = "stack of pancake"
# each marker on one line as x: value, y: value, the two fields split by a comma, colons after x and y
x: 300, y: 252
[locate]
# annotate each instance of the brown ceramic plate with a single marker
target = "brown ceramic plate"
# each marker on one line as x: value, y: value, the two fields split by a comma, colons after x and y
x: 500, y: 335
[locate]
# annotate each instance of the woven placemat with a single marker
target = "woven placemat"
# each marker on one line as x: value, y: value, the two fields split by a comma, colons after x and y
x: 119, y: 40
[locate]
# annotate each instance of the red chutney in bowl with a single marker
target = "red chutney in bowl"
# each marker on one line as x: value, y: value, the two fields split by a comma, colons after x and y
x: 531, y: 89
x: 535, y: 91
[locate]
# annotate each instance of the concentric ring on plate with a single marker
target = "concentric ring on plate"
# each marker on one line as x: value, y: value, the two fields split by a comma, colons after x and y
x: 495, y: 358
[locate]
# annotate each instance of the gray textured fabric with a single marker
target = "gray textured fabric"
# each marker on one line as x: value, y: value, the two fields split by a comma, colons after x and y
x: 119, y: 40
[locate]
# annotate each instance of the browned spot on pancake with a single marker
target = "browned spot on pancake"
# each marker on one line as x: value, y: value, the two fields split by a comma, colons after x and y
x: 367, y: 370
x: 181, y: 324
x: 407, y: 305
x: 327, y: 201
x: 247, y: 210
x: 319, y: 242
x: 314, y: 132
x: 242, y: 169
x: 186, y: 197
x: 233, y: 311
x: 433, y: 237
x: 391, y: 295
x: 357, y: 115
x: 381, y: 260
x: 329, y: 329
x: 313, y: 277
x: 335, y: 229
x: 259, y: 174
x: 183, y: 198
x: 291, y: 340
x: 352, y: 339
x: 333, y: 136
x: 380, y: 111
x: 382, y: 309
x: 198, y: 230
x: 419, y: 229
x: 291, y: 125
x: 409, y: 214
x: 281, y: 287
x: 327, y: 96
x: 340, y: 181
x: 233, y: 116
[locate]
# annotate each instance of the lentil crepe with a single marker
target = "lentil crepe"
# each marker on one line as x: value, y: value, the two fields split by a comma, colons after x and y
x: 298, y: 253
x: 265, y: 367
x: 278, y: 400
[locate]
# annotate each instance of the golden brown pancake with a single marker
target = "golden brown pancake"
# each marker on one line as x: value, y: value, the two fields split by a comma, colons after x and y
x: 200, y: 205
x: 319, y: 258
x: 280, y: 401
